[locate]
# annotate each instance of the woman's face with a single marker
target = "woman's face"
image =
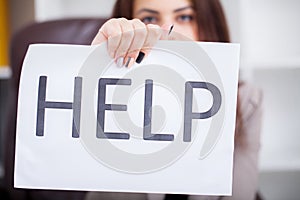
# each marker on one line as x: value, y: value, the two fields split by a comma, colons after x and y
x: 180, y: 13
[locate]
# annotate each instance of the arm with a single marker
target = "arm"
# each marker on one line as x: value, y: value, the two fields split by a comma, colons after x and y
x: 247, y: 145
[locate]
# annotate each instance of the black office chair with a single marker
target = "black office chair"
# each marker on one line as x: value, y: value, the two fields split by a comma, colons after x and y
x: 67, y: 31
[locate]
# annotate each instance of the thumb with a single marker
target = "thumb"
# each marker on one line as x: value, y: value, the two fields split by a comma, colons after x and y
x: 167, y: 29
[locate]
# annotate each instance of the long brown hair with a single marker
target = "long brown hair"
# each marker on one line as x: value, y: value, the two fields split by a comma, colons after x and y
x: 212, y: 27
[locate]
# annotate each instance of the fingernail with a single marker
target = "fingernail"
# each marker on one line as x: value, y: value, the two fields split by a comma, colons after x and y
x: 140, y: 57
x: 171, y: 28
x: 128, y: 62
x: 120, y: 61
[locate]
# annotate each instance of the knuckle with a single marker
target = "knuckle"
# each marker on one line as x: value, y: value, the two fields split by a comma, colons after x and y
x: 122, y: 19
x: 155, y: 30
x: 137, y: 22
x: 109, y: 28
x: 111, y: 22
x: 153, y: 26
x: 140, y: 29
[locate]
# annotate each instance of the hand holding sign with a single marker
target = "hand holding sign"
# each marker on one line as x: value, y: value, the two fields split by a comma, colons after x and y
x: 129, y: 40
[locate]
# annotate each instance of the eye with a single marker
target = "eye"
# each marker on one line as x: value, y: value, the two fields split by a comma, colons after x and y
x: 185, y: 18
x: 149, y: 20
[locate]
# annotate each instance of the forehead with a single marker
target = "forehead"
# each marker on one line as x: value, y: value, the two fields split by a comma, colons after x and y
x: 160, y: 5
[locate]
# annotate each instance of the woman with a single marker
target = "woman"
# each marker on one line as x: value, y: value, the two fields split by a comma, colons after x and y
x: 138, y: 24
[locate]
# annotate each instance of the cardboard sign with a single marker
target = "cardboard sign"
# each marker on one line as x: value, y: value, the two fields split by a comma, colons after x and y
x: 163, y: 126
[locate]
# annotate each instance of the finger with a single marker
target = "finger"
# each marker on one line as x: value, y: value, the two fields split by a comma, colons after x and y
x: 110, y: 32
x: 99, y: 38
x: 114, y: 32
x: 126, y: 38
x: 154, y: 34
x: 140, y: 34
x: 179, y: 37
x: 166, y: 31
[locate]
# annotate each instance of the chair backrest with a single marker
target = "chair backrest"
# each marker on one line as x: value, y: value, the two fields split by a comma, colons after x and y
x: 66, y: 31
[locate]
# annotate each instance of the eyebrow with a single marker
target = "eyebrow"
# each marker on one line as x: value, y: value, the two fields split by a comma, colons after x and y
x: 156, y: 12
x: 183, y: 8
x: 147, y: 10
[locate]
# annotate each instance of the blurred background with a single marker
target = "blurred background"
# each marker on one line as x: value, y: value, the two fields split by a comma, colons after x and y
x: 268, y: 31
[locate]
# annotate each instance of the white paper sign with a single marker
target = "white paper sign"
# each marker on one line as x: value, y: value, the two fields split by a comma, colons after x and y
x: 163, y: 126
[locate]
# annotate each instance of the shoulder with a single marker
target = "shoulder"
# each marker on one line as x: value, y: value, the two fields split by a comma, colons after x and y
x: 250, y: 98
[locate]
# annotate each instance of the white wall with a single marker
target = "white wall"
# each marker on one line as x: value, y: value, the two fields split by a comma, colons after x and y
x: 232, y: 12
x: 281, y: 128
x: 270, y: 56
x: 55, y: 9
x: 270, y: 32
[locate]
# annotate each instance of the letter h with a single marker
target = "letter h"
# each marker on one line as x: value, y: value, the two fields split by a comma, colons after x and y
x: 43, y: 104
